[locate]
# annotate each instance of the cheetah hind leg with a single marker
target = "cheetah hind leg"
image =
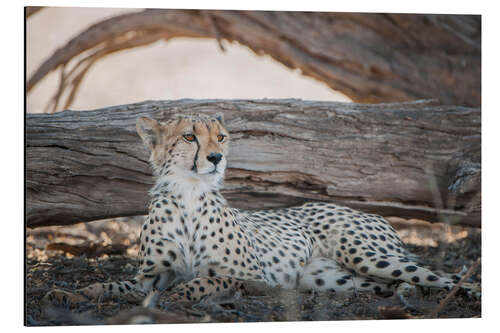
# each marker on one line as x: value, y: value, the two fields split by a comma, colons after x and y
x: 324, y: 274
x: 399, y: 268
x: 472, y: 288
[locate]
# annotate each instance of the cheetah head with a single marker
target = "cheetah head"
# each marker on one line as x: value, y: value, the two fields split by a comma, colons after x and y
x: 188, y: 149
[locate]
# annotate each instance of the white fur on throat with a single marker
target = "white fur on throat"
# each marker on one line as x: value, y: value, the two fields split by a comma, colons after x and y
x: 187, y: 185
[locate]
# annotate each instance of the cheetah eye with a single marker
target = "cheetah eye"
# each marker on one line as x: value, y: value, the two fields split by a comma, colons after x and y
x: 221, y: 137
x: 189, y: 137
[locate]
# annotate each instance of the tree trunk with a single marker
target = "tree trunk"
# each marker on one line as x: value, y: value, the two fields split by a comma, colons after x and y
x: 413, y: 160
x: 371, y: 58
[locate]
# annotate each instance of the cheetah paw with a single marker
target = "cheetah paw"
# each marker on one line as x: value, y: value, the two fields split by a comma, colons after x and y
x: 472, y: 289
x: 60, y: 296
x: 404, y: 291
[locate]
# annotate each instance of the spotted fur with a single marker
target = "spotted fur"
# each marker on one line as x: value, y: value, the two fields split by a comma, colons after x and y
x: 194, y: 245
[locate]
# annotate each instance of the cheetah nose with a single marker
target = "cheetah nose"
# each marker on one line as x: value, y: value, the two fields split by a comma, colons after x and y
x: 214, y: 158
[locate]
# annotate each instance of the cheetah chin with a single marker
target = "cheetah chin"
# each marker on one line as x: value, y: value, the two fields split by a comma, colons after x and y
x: 194, y: 246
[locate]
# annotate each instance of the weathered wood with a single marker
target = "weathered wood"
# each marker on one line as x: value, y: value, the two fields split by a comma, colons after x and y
x: 30, y: 10
x: 413, y: 160
x: 369, y: 57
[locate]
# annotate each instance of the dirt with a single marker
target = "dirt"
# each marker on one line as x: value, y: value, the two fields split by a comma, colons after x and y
x: 112, y: 247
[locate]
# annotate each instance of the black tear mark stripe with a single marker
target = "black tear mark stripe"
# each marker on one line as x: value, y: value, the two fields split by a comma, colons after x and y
x: 194, y: 167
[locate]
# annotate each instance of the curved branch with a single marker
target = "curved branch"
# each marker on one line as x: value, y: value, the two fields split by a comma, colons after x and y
x: 368, y: 57
x: 32, y: 10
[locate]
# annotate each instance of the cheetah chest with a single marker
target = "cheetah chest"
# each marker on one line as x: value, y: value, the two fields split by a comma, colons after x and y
x: 204, y: 241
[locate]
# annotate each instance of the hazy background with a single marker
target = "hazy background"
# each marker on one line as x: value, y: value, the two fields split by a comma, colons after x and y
x: 179, y: 68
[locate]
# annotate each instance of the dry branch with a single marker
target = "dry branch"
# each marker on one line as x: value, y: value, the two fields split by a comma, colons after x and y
x: 369, y: 57
x: 32, y: 10
x: 455, y: 289
x: 84, y: 166
x: 89, y: 249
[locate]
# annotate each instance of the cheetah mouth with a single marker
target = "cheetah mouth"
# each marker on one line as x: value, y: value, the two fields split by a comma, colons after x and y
x: 212, y: 172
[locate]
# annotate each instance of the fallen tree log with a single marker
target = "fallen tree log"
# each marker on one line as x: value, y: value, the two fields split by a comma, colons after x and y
x: 413, y: 160
x: 371, y: 58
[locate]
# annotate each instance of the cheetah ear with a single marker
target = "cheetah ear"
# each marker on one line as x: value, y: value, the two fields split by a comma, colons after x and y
x: 220, y: 117
x: 149, y: 130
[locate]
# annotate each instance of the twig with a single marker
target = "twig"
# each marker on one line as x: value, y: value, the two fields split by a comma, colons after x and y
x: 214, y: 29
x: 72, y: 79
x: 453, y: 291
x: 54, y: 101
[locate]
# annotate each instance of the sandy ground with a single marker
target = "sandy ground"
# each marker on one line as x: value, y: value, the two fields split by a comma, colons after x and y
x: 180, y: 68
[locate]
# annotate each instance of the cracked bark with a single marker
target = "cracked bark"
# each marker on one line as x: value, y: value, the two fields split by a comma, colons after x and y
x: 413, y: 160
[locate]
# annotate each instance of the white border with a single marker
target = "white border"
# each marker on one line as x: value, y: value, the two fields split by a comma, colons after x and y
x: 12, y: 140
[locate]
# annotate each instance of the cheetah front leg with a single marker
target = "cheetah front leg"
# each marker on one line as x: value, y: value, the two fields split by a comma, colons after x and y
x: 204, y: 288
x: 133, y: 290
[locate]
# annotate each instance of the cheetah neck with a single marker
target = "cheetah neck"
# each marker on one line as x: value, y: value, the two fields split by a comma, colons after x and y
x: 188, y: 189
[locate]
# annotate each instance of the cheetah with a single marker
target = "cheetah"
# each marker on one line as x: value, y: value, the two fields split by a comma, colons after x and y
x: 193, y: 245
